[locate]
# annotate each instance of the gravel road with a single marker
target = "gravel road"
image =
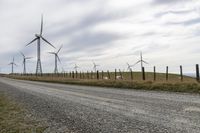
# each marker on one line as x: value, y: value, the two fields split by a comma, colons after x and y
x: 70, y: 108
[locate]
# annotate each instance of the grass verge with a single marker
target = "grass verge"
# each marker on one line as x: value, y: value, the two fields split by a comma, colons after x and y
x: 172, y: 86
x: 13, y: 119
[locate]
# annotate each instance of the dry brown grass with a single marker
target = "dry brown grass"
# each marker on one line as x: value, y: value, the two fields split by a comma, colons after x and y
x: 174, y: 83
x: 13, y: 118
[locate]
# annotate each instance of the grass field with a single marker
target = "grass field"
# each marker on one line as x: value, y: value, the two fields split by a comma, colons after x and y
x: 13, y: 119
x: 174, y: 84
x: 136, y: 76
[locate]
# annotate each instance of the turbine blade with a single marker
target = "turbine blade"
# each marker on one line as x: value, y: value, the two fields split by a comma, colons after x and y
x: 145, y: 62
x: 60, y: 49
x: 51, y: 53
x: 32, y: 41
x: 41, y: 25
x: 22, y: 54
x: 28, y: 57
x: 47, y: 41
x: 136, y: 63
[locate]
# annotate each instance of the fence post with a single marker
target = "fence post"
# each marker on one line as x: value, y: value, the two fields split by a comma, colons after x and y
x: 154, y: 73
x: 197, y: 72
x: 115, y: 74
x: 80, y: 75
x: 181, y: 72
x: 102, y: 74
x: 73, y: 74
x: 97, y: 74
x: 167, y: 71
x: 120, y: 74
x: 76, y: 74
x: 108, y: 74
x: 131, y: 74
x: 143, y: 74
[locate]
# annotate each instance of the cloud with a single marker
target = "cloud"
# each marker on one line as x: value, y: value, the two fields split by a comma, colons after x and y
x: 186, y: 23
x: 167, y: 2
x: 109, y: 32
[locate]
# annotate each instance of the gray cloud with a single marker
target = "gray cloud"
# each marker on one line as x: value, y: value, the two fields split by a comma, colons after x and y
x: 94, y: 18
x: 185, y: 23
x: 167, y: 2
x: 175, y: 12
x: 104, y: 30
x: 88, y: 40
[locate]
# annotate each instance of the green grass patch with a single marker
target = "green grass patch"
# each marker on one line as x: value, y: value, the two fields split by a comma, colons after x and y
x: 13, y: 119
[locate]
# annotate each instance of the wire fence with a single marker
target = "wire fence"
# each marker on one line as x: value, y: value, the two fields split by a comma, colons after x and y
x: 117, y: 74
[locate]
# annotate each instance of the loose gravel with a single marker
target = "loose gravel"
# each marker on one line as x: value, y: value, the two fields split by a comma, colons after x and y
x: 70, y: 108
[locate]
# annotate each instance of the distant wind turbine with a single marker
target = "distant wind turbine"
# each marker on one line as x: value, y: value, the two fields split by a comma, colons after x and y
x: 141, y: 61
x: 24, y: 62
x: 76, y: 67
x: 129, y: 67
x: 57, y: 58
x: 95, y: 66
x: 12, y: 65
x: 38, y: 37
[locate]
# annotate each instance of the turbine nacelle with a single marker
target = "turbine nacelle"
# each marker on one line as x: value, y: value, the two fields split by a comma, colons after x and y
x: 37, y: 35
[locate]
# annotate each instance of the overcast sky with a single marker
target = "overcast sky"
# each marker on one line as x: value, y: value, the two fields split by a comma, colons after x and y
x: 109, y: 32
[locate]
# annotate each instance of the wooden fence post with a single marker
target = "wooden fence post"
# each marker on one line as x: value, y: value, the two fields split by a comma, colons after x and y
x: 131, y: 74
x: 120, y: 74
x: 143, y: 74
x: 76, y: 74
x: 181, y: 72
x: 115, y: 74
x: 154, y: 73
x: 97, y: 75
x: 197, y: 72
x: 73, y: 76
x: 108, y: 74
x: 167, y: 73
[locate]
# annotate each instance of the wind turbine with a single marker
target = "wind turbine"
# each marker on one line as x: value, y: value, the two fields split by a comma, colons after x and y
x: 12, y: 65
x: 24, y: 61
x: 95, y: 66
x: 141, y: 61
x: 38, y: 37
x: 76, y: 67
x: 56, y: 59
x: 129, y: 67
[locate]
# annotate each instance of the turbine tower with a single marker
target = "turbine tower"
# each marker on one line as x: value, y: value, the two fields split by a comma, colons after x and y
x: 12, y: 65
x: 38, y: 37
x: 24, y: 62
x: 95, y: 66
x: 56, y: 58
x: 141, y: 61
